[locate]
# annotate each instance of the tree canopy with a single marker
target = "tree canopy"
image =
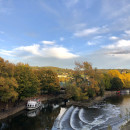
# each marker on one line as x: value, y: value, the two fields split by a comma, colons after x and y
x: 21, y: 81
x: 116, y: 83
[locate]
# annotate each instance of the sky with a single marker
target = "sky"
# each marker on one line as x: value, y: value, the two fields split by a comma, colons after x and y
x: 61, y: 32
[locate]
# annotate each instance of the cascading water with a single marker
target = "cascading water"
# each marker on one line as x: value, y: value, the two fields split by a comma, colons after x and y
x: 65, y: 120
x: 113, y: 112
x: 99, y: 116
x: 75, y: 122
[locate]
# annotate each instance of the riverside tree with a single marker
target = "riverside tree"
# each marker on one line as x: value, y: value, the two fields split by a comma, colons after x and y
x: 125, y: 77
x: 49, y: 82
x: 8, y: 88
x: 85, y: 78
x: 8, y: 83
x: 116, y: 83
x: 27, y: 81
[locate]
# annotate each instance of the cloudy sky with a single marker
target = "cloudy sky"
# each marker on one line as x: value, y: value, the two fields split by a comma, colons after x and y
x: 60, y: 32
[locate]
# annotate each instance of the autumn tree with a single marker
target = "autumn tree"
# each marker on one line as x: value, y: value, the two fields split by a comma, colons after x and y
x: 74, y: 92
x: 126, y: 80
x: 125, y: 77
x: 114, y: 73
x: 49, y: 81
x: 106, y: 80
x: 8, y: 91
x: 8, y: 84
x: 6, y: 68
x: 85, y: 79
x: 27, y: 81
x: 8, y: 88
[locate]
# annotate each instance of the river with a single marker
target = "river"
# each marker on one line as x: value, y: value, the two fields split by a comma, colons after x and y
x: 112, y: 113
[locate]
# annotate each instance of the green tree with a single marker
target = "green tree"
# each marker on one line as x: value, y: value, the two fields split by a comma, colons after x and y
x: 116, y: 83
x: 107, y: 81
x: 27, y: 81
x: 8, y: 88
x: 75, y: 92
x: 87, y: 78
x: 49, y: 81
x: 6, y: 68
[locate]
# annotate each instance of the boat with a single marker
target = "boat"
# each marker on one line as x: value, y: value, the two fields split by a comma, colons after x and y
x: 125, y: 91
x: 33, y: 104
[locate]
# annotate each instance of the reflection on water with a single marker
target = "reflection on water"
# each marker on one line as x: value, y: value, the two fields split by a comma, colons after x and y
x: 34, y: 113
x: 39, y: 119
x: 54, y: 115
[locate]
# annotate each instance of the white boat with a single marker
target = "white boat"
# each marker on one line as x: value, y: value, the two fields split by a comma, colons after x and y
x: 125, y: 91
x: 33, y: 104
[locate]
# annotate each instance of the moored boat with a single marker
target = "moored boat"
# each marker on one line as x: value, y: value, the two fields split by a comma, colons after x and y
x: 33, y: 104
x: 125, y: 91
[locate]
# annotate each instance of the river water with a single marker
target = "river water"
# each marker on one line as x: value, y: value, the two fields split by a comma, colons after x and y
x: 54, y: 115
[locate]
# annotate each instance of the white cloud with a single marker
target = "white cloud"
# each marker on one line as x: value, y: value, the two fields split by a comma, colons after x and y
x: 116, y: 55
x: 86, y: 32
x: 48, y: 42
x: 58, y: 52
x: 119, y: 44
x: 109, y: 61
x: 39, y: 51
x: 127, y: 32
x: 123, y: 43
x: 91, y: 43
x: 32, y: 49
x: 5, y: 52
x: 91, y: 31
x: 119, y: 50
x: 113, y: 38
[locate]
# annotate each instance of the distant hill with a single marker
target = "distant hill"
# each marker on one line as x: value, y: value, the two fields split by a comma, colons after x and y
x: 58, y: 70
x: 61, y: 71
x: 120, y: 70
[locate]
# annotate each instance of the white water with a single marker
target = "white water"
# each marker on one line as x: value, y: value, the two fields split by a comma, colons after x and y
x: 57, y: 121
x: 72, y: 118
x: 81, y: 116
x: 65, y: 119
x: 98, y: 117
x: 109, y: 111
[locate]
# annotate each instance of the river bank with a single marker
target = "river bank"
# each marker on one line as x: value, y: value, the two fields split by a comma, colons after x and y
x: 22, y: 105
x: 99, y: 116
x: 90, y: 102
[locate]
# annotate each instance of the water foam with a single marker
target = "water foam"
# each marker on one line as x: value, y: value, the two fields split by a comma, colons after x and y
x: 81, y: 117
x: 72, y: 118
x: 65, y: 118
x: 109, y: 111
x: 57, y: 120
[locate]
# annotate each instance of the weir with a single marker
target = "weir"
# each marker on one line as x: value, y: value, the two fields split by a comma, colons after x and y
x: 57, y: 116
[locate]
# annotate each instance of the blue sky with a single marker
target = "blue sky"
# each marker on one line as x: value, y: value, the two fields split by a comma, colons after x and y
x: 60, y: 32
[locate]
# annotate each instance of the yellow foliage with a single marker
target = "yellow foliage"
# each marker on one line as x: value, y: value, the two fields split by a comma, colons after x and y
x: 125, y: 78
x: 7, y: 89
x: 114, y: 73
